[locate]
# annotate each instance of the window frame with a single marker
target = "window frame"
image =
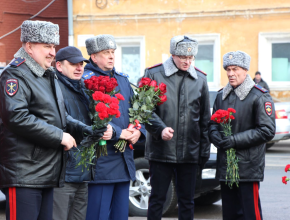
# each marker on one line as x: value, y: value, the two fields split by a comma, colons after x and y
x: 213, y: 39
x: 265, y: 57
x: 130, y: 41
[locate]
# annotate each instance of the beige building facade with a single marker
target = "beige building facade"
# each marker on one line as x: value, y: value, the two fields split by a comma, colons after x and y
x: 143, y: 29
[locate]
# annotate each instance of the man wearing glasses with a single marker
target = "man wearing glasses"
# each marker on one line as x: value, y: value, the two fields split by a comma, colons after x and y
x: 177, y: 141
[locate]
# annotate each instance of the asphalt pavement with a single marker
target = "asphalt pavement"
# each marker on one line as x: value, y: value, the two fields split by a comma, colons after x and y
x: 274, y: 194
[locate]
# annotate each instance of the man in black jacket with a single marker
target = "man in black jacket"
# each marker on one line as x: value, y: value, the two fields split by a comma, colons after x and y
x: 33, y: 122
x: 177, y: 141
x: 253, y: 126
x: 258, y: 80
x: 70, y: 202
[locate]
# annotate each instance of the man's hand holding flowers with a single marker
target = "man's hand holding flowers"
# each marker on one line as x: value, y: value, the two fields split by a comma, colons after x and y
x: 227, y: 142
x: 134, y: 137
x: 216, y: 138
x: 108, y: 134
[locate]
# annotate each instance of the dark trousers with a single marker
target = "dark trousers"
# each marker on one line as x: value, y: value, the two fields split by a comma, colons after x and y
x: 108, y: 201
x: 28, y: 203
x: 241, y: 203
x: 70, y: 202
x: 160, y: 177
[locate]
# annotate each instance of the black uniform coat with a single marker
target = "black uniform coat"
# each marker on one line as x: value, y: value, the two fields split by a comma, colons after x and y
x: 186, y: 111
x: 32, y: 121
x: 253, y: 126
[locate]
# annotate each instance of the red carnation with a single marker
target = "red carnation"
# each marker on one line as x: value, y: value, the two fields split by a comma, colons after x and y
x: 285, y: 179
x: 287, y: 168
x: 162, y: 88
x: 115, y: 100
x: 107, y: 99
x: 103, y: 115
x: 119, y: 96
x: 101, y: 107
x: 98, y: 96
x: 144, y: 82
x: 153, y: 83
x: 112, y: 111
x: 231, y: 110
x: 114, y: 106
x: 118, y: 114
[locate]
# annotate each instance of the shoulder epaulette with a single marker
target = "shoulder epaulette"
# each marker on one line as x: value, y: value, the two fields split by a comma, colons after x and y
x: 261, y: 88
x: 88, y: 75
x: 122, y: 74
x: 200, y: 71
x: 159, y: 64
x: 220, y: 89
x: 17, y: 61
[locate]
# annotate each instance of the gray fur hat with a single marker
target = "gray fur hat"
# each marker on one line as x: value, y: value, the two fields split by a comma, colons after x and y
x: 237, y: 58
x: 39, y: 32
x: 183, y: 46
x: 99, y: 43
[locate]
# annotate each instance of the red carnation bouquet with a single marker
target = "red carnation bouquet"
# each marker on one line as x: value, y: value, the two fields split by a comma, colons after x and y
x: 147, y: 96
x: 224, y: 118
x: 103, y: 107
x: 285, y: 179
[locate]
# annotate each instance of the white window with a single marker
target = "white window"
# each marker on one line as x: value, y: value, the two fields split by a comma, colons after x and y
x: 130, y: 57
x: 274, y: 59
x: 208, y: 58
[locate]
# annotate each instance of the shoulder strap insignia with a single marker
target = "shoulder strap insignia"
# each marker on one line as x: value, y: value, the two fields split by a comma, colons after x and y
x: 261, y: 88
x: 200, y: 71
x: 122, y: 74
x: 159, y: 64
x: 220, y: 89
x: 88, y: 75
x: 17, y: 61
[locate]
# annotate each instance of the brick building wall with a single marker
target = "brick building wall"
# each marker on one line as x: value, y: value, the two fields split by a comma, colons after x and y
x: 13, y: 13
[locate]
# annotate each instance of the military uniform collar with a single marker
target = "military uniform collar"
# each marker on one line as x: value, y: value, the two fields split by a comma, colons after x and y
x: 242, y: 90
x: 170, y: 68
x: 30, y: 62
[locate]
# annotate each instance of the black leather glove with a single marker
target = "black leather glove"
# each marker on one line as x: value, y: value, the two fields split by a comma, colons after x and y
x: 95, y: 134
x: 228, y: 142
x: 215, y: 137
x: 202, y: 161
x: 92, y: 136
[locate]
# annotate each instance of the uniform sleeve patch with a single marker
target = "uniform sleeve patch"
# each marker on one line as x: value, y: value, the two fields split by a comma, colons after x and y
x: 268, y: 108
x: 11, y: 87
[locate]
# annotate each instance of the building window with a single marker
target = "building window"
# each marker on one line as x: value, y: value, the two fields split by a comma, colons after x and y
x: 280, y: 62
x: 274, y: 59
x: 208, y: 58
x: 130, y: 57
x: 204, y: 60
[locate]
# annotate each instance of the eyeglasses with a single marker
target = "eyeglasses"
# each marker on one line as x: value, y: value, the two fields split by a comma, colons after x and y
x: 184, y: 58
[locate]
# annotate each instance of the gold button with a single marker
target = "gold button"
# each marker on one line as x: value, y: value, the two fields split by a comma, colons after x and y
x: 16, y: 61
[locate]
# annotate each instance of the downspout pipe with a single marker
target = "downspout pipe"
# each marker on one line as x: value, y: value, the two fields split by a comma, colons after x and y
x: 70, y: 23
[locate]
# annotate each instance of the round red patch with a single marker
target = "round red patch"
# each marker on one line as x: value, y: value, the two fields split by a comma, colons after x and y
x: 11, y: 86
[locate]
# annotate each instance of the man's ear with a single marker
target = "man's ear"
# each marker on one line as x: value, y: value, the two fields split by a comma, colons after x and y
x: 58, y: 66
x: 28, y: 47
x: 93, y: 57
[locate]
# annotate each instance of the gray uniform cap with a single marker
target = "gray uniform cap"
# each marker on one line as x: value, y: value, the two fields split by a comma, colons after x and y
x: 99, y: 43
x: 39, y: 32
x: 183, y: 46
x: 237, y: 58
